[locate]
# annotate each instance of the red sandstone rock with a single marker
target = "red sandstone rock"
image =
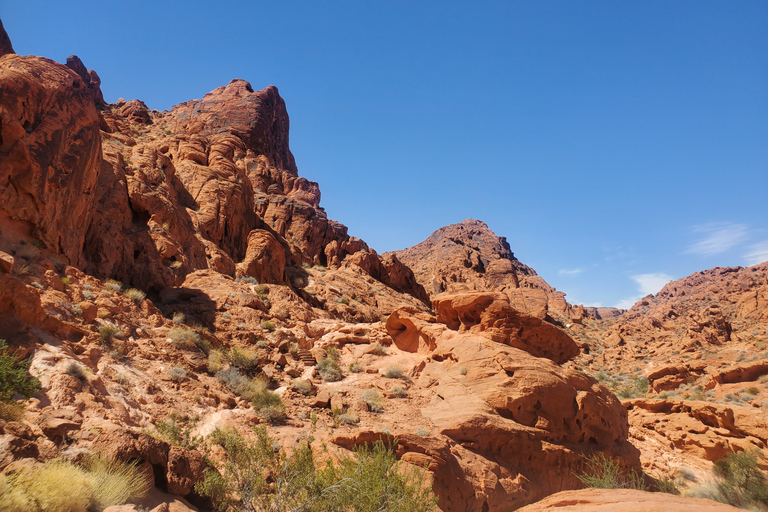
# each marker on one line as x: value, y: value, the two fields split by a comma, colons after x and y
x: 623, y: 500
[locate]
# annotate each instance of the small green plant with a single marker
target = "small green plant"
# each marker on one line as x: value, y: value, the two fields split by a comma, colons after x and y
x: 636, y: 388
x: 741, y: 483
x: 65, y: 281
x: 135, y: 295
x: 753, y: 390
x: 177, y: 374
x: 333, y: 353
x: 374, y: 400
x: 267, y: 325
x: 329, y: 370
x: 355, y: 367
x: 14, y: 380
x: 108, y: 333
x: 603, y: 472
x: 246, y: 360
x: 394, y: 372
x: 183, y: 337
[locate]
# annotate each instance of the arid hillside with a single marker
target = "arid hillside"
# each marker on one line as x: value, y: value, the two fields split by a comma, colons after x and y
x: 169, y: 274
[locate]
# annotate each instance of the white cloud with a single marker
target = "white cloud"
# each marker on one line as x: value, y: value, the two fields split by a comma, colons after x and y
x: 571, y: 272
x: 718, y: 237
x: 758, y: 253
x: 646, y: 284
x: 651, y: 283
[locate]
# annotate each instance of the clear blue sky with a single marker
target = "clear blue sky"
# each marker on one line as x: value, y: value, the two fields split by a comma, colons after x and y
x: 615, y: 144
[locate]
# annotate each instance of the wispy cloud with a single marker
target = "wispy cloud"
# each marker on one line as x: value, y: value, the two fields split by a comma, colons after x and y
x: 651, y: 283
x: 758, y: 253
x: 571, y: 272
x: 717, y: 237
x: 646, y: 284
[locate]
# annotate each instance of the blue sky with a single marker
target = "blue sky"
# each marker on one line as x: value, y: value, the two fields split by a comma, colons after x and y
x: 617, y: 145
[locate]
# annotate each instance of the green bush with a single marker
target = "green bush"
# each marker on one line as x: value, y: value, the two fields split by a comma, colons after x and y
x: 255, y: 476
x: 394, y: 372
x: 14, y: 380
x: 177, y: 430
x: 603, y: 472
x: 355, y: 367
x: 329, y: 370
x: 268, y: 325
x: 302, y: 386
x: 107, y: 334
x: 740, y: 481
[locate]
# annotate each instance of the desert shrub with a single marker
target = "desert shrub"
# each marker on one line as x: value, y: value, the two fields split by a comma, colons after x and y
x: 183, y: 337
x: 462, y: 370
x: 374, y: 400
x: 273, y: 414
x: 741, y: 483
x: 244, y: 359
x: 177, y: 374
x: 37, y: 285
x: 255, y: 476
x: 637, y: 387
x: 603, y: 472
x: 262, y: 344
x: 107, y: 334
x: 329, y: 370
x: 113, y: 285
x: 247, y: 279
x: 178, y: 317
x: 399, y: 392
x: 114, y: 482
x: 177, y: 430
x: 14, y: 380
x: 754, y: 390
x: 302, y: 386
x: 216, y: 360
x: 237, y: 382
x: 268, y: 325
x: 333, y: 353
x: 88, y: 295
x: 355, y: 367
x: 379, y: 349
x: 293, y: 349
x: 76, y: 370
x: 97, y: 484
x: 394, y: 372
x: 349, y: 419
x: 135, y: 295
x: 422, y: 432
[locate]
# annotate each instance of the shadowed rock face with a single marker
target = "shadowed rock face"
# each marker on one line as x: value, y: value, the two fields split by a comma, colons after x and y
x: 5, y: 41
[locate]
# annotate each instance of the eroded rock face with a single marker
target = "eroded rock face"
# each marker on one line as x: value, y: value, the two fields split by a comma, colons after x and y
x: 50, y: 151
x: 492, y: 315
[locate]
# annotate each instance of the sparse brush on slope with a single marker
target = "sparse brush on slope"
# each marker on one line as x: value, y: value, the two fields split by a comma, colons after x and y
x: 14, y: 380
x: 255, y: 476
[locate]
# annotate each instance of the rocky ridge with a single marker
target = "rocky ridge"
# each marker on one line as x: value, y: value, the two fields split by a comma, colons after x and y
x: 201, y: 215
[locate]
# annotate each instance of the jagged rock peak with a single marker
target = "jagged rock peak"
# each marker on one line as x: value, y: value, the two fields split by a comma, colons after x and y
x: 5, y: 42
x: 259, y: 118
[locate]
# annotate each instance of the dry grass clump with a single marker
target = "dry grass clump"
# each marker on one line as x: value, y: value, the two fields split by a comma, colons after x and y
x: 108, y: 332
x: 112, y: 285
x: 135, y: 295
x: 374, y: 400
x: 177, y: 374
x: 183, y: 337
x: 302, y: 386
x: 394, y: 372
x: 61, y: 486
x: 379, y: 349
x: 355, y: 367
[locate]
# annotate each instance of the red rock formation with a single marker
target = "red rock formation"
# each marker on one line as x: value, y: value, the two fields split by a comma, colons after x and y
x: 624, y: 500
x: 469, y: 256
